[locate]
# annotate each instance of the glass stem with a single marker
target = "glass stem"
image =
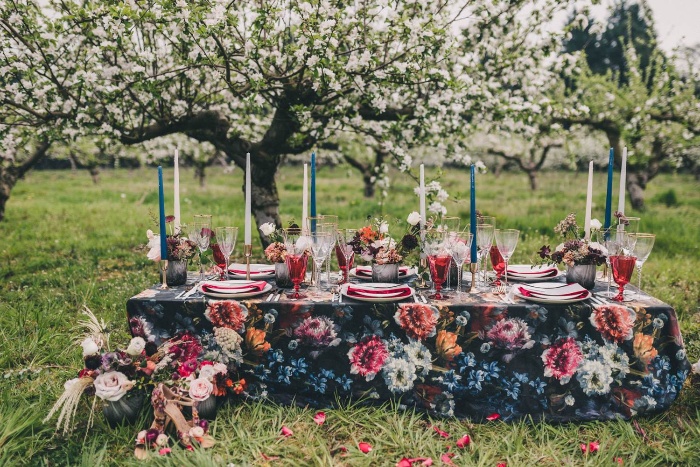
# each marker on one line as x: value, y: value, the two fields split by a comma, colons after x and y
x: 226, y: 260
x: 607, y: 263
x: 459, y: 278
x: 506, y: 272
x: 639, y: 281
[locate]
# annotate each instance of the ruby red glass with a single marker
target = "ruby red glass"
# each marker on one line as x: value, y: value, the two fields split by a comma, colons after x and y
x: 439, y: 266
x: 296, y: 264
x: 345, y: 260
x: 622, y: 268
x: 498, y: 263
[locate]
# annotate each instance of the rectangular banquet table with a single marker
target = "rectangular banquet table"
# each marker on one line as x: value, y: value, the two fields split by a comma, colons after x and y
x: 469, y: 359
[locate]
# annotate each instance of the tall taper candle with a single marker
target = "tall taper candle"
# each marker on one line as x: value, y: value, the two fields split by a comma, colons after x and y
x: 305, y: 200
x: 472, y: 214
x: 161, y: 207
x: 246, y: 234
x: 623, y: 181
x: 608, y: 196
x: 313, y: 190
x: 421, y: 194
x: 176, y: 189
x: 589, y: 203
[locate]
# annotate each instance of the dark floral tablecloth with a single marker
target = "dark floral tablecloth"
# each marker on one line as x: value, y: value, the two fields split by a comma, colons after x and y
x: 473, y: 358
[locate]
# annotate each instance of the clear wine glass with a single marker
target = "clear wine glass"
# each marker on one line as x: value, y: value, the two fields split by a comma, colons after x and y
x: 506, y: 241
x: 320, y: 245
x: 297, y: 246
x: 226, y: 238
x: 200, y: 233
x: 329, y: 224
x: 344, y: 251
x: 642, y: 249
x: 484, y: 240
x: 611, y: 239
x: 459, y: 245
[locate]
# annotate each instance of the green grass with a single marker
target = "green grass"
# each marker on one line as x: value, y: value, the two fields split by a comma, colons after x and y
x: 69, y: 243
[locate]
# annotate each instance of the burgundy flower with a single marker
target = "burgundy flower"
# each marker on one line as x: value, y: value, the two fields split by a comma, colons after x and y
x: 169, y: 219
x: 510, y: 334
x: 614, y: 322
x: 318, y: 331
x: 367, y: 357
x: 544, y: 251
x: 562, y: 358
x: 417, y: 320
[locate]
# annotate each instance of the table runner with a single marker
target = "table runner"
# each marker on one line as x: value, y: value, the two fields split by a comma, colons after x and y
x: 474, y: 358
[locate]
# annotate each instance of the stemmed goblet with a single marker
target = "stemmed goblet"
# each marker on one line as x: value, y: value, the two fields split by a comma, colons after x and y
x: 320, y: 246
x: 297, y: 246
x: 448, y: 224
x: 459, y: 244
x: 200, y: 234
x: 611, y: 239
x: 439, y: 259
x: 644, y: 242
x: 506, y: 241
x: 329, y: 224
x: 344, y: 251
x: 484, y: 240
x: 226, y: 239
x: 622, y: 267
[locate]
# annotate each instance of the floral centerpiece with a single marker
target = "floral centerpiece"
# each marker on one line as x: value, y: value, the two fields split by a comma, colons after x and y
x: 579, y: 254
x: 180, y: 251
x: 275, y: 251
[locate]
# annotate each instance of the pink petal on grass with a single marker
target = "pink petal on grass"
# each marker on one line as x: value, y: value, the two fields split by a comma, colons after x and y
x: 464, y: 441
x: 364, y: 447
x: 619, y: 460
x: 584, y: 448
x: 320, y: 418
x: 428, y: 461
x: 501, y: 464
x: 269, y: 458
x: 442, y: 434
x: 593, y: 446
x: 404, y: 463
x: 492, y: 417
x: 286, y: 432
x: 447, y: 458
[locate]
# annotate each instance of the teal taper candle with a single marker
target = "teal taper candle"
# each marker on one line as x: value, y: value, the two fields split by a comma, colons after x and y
x: 608, y: 196
x: 161, y: 206
x: 472, y: 214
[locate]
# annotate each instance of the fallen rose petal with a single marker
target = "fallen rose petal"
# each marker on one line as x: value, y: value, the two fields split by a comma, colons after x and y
x: 443, y: 434
x: 320, y: 418
x: 404, y: 463
x: 164, y: 451
x: 464, y: 441
x: 447, y: 458
x: 584, y: 448
x: 427, y: 462
x: 593, y: 446
x: 269, y: 458
x: 286, y: 432
x: 365, y: 447
x: 619, y: 460
x: 492, y: 417
x: 501, y: 464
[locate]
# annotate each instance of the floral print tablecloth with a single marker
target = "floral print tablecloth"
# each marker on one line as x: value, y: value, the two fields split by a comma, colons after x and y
x: 475, y: 359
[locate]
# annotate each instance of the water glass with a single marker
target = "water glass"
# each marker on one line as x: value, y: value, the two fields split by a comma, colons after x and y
x: 506, y: 241
x: 226, y: 239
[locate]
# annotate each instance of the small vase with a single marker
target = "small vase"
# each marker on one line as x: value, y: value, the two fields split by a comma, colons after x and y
x: 282, y: 275
x: 385, y: 273
x: 125, y: 410
x: 176, y: 274
x: 583, y: 274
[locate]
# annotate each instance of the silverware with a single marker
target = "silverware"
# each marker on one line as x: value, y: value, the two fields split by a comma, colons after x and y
x: 269, y: 297
x: 277, y: 298
x: 416, y: 299
x: 190, y: 292
x: 340, y: 297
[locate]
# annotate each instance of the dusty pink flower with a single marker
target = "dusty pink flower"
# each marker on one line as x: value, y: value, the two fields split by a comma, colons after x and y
x: 417, y: 320
x: 614, y: 322
x: 367, y: 357
x: 320, y: 418
x: 317, y: 331
x: 226, y: 314
x: 562, y: 358
x: 510, y: 334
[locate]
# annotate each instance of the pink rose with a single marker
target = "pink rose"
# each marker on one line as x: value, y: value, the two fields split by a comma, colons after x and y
x: 112, y: 385
x: 200, y: 389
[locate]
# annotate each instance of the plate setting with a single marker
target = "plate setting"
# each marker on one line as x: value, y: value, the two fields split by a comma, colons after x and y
x: 377, y: 292
x: 257, y: 271
x: 365, y: 272
x: 547, y: 292
x: 234, y: 288
x: 529, y: 273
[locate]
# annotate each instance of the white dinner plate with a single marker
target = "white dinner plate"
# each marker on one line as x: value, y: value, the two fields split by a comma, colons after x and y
x: 252, y: 293
x: 257, y: 271
x: 552, y: 300
x: 377, y: 298
x: 353, y: 273
x: 529, y: 277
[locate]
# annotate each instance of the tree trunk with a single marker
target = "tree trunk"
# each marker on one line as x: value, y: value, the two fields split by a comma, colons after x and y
x: 532, y: 176
x: 95, y: 174
x: 265, y: 199
x: 200, y: 174
x: 369, y: 182
x: 11, y: 173
x: 636, y: 183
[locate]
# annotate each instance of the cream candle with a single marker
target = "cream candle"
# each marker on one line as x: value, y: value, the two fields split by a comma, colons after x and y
x: 589, y: 203
x: 246, y: 234
x: 623, y: 181
x: 421, y: 194
x: 305, y: 200
x: 176, y: 189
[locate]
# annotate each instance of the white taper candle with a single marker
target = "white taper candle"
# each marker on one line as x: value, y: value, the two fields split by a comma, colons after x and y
x: 305, y: 200
x: 421, y: 191
x: 247, y: 235
x: 176, y: 188
x: 623, y: 181
x: 589, y: 202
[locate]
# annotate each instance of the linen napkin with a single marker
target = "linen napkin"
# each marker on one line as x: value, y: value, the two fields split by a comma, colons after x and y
x: 256, y: 286
x: 366, y: 271
x: 567, y: 292
x: 398, y: 291
x: 526, y: 271
x: 259, y: 270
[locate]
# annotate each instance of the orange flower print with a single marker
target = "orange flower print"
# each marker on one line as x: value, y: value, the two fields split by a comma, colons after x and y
x: 255, y: 340
x: 644, y: 347
x: 446, y: 344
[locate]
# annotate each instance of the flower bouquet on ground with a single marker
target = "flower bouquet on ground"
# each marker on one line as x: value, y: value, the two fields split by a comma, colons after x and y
x: 580, y: 255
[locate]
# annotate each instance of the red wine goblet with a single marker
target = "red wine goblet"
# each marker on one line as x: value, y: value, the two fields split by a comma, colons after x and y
x: 622, y: 267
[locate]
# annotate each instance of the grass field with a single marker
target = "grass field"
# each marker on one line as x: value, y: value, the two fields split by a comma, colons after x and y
x: 69, y: 243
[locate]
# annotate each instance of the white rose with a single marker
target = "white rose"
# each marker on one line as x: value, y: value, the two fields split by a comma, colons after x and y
x: 595, y: 224
x: 90, y: 347
x: 207, y: 372
x: 112, y: 385
x: 141, y: 437
x: 200, y: 389
x: 162, y: 440
x: 136, y: 346
x: 303, y: 243
x: 153, y: 245
x: 559, y: 247
x: 413, y: 218
x: 384, y: 228
x: 220, y: 368
x: 267, y: 228
x: 598, y: 246
x: 196, y: 432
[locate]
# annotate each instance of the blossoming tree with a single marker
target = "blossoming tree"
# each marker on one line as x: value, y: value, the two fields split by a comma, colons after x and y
x: 269, y: 77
